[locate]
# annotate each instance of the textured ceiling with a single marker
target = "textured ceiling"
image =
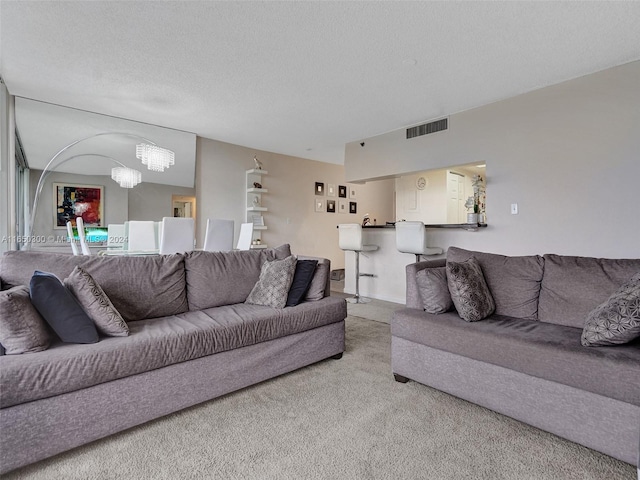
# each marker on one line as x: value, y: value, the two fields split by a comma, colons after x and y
x: 302, y: 78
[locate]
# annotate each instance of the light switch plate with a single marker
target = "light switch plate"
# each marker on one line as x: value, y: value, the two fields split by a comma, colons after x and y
x: 514, y: 209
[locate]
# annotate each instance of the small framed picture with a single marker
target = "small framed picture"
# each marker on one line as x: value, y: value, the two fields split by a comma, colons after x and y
x: 331, y: 206
x: 352, y: 193
x: 353, y: 207
x: 342, y: 191
x: 343, y: 207
x: 319, y: 205
x: 319, y: 188
x: 331, y: 190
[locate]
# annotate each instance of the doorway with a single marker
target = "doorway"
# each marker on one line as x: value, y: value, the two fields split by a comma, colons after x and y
x: 183, y: 206
x: 455, y: 198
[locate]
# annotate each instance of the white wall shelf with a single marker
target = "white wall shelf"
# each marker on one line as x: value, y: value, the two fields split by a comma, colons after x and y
x: 256, y: 171
x: 254, y: 176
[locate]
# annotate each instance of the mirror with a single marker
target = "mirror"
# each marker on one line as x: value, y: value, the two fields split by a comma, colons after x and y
x: 440, y: 196
x: 84, y: 170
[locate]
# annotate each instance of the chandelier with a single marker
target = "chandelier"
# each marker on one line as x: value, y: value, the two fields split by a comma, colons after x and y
x: 154, y: 157
x: 126, y: 177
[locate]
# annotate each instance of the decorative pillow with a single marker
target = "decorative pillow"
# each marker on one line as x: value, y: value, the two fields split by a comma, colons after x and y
x: 272, y: 287
x: 318, y: 283
x: 301, y: 281
x: 22, y: 329
x: 61, y: 310
x: 96, y: 304
x: 433, y: 289
x: 469, y: 290
x: 617, y: 320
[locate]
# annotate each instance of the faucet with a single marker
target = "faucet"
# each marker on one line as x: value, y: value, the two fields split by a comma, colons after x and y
x: 366, y: 221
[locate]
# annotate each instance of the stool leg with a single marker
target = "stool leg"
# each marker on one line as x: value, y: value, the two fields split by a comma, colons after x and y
x: 357, y: 298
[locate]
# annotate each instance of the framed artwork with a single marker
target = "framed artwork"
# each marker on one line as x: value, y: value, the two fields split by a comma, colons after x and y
x: 352, y: 192
x: 353, y: 207
x: 331, y: 206
x: 331, y: 190
x: 342, y: 191
x: 343, y: 207
x: 319, y: 188
x: 319, y: 205
x: 71, y: 201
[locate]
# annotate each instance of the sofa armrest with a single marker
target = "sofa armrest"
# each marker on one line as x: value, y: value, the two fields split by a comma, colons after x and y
x: 413, y: 299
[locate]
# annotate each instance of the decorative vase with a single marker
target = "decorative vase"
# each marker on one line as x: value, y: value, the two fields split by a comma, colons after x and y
x: 472, y: 218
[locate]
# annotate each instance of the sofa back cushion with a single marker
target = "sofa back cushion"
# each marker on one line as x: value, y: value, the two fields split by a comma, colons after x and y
x: 139, y: 287
x: 224, y: 278
x: 514, y: 282
x: 573, y: 286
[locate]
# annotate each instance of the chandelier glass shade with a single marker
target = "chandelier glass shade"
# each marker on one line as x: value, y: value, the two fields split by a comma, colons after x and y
x: 126, y: 177
x: 154, y: 157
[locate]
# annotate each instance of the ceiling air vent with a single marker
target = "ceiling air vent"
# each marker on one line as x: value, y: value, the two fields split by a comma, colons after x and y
x: 427, y: 128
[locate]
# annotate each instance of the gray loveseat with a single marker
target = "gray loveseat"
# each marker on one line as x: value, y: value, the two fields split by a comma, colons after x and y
x: 526, y: 360
x: 191, y: 339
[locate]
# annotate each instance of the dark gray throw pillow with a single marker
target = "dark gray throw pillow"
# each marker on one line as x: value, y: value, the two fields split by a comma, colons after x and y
x: 301, y: 281
x: 434, y: 290
x: 318, y: 285
x: 22, y: 329
x: 617, y: 320
x: 60, y: 309
x: 469, y: 290
x: 272, y: 287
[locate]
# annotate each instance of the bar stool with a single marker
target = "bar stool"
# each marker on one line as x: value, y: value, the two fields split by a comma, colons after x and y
x: 350, y: 238
x: 411, y: 237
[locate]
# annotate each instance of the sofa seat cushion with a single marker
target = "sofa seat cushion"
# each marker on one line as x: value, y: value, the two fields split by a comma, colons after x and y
x: 543, y: 350
x: 133, y: 284
x: 154, y: 344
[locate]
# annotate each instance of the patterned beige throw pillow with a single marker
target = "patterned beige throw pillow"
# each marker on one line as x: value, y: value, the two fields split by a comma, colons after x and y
x: 96, y: 304
x: 469, y: 290
x: 272, y: 288
x: 617, y: 320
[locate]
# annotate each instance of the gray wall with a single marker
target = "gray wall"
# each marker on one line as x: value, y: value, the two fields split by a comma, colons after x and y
x: 220, y: 183
x: 568, y: 154
x: 146, y: 201
x: 152, y: 201
x: 115, y: 198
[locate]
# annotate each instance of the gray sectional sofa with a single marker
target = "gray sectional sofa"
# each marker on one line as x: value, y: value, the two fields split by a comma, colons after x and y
x: 526, y: 360
x: 191, y: 339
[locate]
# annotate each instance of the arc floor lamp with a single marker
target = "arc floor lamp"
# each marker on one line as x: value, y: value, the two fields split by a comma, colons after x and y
x: 156, y: 158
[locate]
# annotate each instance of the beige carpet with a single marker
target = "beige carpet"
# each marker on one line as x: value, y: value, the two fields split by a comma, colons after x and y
x: 338, y: 419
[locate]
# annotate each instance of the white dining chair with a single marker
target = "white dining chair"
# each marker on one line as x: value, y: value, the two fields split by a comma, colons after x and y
x: 246, y: 236
x: 72, y: 240
x: 81, y: 235
x: 178, y: 235
x: 141, y: 236
x: 115, y: 235
x: 219, y: 235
